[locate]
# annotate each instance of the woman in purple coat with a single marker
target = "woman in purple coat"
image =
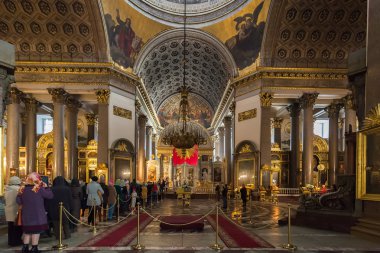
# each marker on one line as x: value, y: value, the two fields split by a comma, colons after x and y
x: 34, y: 221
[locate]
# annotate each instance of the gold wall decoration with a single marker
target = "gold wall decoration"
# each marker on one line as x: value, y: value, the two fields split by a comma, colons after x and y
x: 250, y: 114
x: 266, y: 99
x: 121, y: 112
x: 373, y: 118
x: 102, y: 95
x: 245, y: 149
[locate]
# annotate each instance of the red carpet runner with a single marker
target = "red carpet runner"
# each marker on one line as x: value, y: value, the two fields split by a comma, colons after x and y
x: 235, y: 236
x: 119, y: 235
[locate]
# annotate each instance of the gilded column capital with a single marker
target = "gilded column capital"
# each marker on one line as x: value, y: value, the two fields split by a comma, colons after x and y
x: 221, y: 131
x: 91, y: 119
x: 308, y: 99
x: 277, y: 122
x: 102, y: 95
x: 58, y: 94
x: 142, y: 119
x: 15, y: 95
x: 294, y: 109
x: 349, y: 102
x: 72, y: 103
x: 232, y: 107
x: 31, y: 104
x: 227, y: 121
x: 266, y: 99
x: 333, y: 109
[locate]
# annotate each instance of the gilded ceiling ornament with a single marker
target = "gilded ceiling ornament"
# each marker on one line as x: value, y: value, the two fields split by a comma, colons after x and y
x: 58, y: 94
x: 308, y: 99
x: 266, y: 99
x: 245, y: 149
x: 277, y: 122
x: 102, y: 95
x: 91, y: 119
x: 373, y: 118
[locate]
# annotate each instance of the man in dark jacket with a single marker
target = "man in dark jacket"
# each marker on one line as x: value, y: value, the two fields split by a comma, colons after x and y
x: 62, y: 193
x: 243, y: 194
x: 105, y: 200
x: 224, y: 196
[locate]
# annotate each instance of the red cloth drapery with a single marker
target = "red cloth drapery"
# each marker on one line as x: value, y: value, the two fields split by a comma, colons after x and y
x: 191, y: 157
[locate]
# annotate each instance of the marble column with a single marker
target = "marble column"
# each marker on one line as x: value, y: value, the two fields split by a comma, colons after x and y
x: 91, y: 120
x: 58, y: 96
x: 161, y: 157
x: 333, y: 111
x: 23, y: 117
x: 102, y: 97
x: 221, y: 142
x: 350, y: 114
x: 13, y: 130
x: 72, y: 108
x: 350, y: 127
x: 294, y: 110
x: 277, y: 123
x: 307, y: 102
x: 265, y: 136
x: 154, y: 145
x: 232, y: 111
x: 149, y: 132
x: 228, y: 154
x: 31, y: 134
x: 141, y: 170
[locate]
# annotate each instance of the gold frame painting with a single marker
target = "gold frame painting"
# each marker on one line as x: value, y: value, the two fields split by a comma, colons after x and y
x: 365, y: 167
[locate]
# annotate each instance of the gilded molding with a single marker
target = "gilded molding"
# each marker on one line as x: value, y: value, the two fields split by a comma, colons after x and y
x: 250, y: 114
x: 308, y: 99
x: 58, y: 94
x: 266, y: 99
x: 277, y: 122
x: 245, y: 149
x: 373, y: 118
x: 91, y: 119
x: 102, y: 95
x: 121, y: 112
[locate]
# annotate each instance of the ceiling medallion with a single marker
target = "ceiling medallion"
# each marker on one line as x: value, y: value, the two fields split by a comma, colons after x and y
x: 184, y: 134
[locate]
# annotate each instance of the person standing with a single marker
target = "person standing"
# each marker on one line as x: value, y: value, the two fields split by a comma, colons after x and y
x: 34, y: 220
x: 134, y: 199
x: 224, y: 196
x: 243, y: 195
x: 217, y: 192
x: 84, y: 199
x: 111, y: 199
x: 94, y: 191
x: 105, y: 200
x: 144, y: 194
x: 77, y: 196
x: 11, y: 208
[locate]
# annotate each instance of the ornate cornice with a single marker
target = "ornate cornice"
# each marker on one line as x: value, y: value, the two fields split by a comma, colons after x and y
x: 277, y: 122
x: 294, y: 109
x: 308, y: 99
x: 266, y: 99
x: 15, y: 95
x: 58, y: 94
x: 222, y: 105
x: 102, y: 95
x: 91, y: 119
x: 293, y: 73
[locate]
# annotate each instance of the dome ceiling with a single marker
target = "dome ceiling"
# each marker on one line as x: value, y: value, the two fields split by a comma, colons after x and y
x: 198, y: 11
x: 314, y: 33
x: 57, y: 29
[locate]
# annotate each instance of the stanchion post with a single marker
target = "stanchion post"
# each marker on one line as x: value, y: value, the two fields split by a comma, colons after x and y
x: 289, y: 245
x: 151, y: 199
x: 60, y: 245
x: 250, y: 209
x: 118, y: 208
x: 216, y: 246
x: 138, y: 246
x: 94, y: 208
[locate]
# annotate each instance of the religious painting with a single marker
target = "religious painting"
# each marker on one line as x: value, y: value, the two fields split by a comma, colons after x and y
x: 200, y: 111
x: 127, y: 31
x: 245, y: 32
x: 217, y: 174
x: 152, y: 169
x: 123, y: 168
x: 245, y: 174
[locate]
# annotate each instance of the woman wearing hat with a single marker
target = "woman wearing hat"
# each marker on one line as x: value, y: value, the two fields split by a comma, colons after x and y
x: 11, y: 208
x: 34, y: 221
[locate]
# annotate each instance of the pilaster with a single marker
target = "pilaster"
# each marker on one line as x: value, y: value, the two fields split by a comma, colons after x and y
x: 265, y: 136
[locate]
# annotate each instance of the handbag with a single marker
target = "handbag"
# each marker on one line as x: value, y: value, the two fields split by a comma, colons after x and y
x: 18, y: 221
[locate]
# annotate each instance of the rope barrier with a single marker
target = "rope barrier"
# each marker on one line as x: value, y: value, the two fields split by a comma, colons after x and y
x: 128, y: 199
x: 70, y: 217
x: 225, y: 215
x: 184, y: 224
x: 106, y: 209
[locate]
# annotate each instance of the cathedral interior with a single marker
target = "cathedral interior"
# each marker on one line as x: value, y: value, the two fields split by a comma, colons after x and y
x: 276, y: 95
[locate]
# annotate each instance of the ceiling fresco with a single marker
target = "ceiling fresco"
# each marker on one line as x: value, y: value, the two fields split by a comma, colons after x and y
x: 200, y: 110
x: 128, y: 30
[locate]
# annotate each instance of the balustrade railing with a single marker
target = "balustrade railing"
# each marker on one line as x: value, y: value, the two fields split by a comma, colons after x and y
x: 289, y: 192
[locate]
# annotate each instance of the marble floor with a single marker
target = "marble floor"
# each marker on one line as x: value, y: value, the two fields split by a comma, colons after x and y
x: 259, y: 218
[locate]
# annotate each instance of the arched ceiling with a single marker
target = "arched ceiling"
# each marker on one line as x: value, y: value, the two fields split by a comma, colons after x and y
x: 198, y: 11
x: 311, y: 33
x: 208, y: 67
x: 51, y: 30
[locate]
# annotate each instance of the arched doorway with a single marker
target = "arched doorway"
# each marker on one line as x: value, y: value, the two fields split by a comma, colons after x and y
x: 246, y: 163
x: 122, y: 160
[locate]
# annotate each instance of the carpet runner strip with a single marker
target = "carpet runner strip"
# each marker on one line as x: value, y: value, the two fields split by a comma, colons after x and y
x: 195, y: 222
x: 235, y: 236
x: 118, y: 235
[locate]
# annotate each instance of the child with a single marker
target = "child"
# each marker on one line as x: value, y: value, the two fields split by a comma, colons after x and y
x: 134, y: 198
